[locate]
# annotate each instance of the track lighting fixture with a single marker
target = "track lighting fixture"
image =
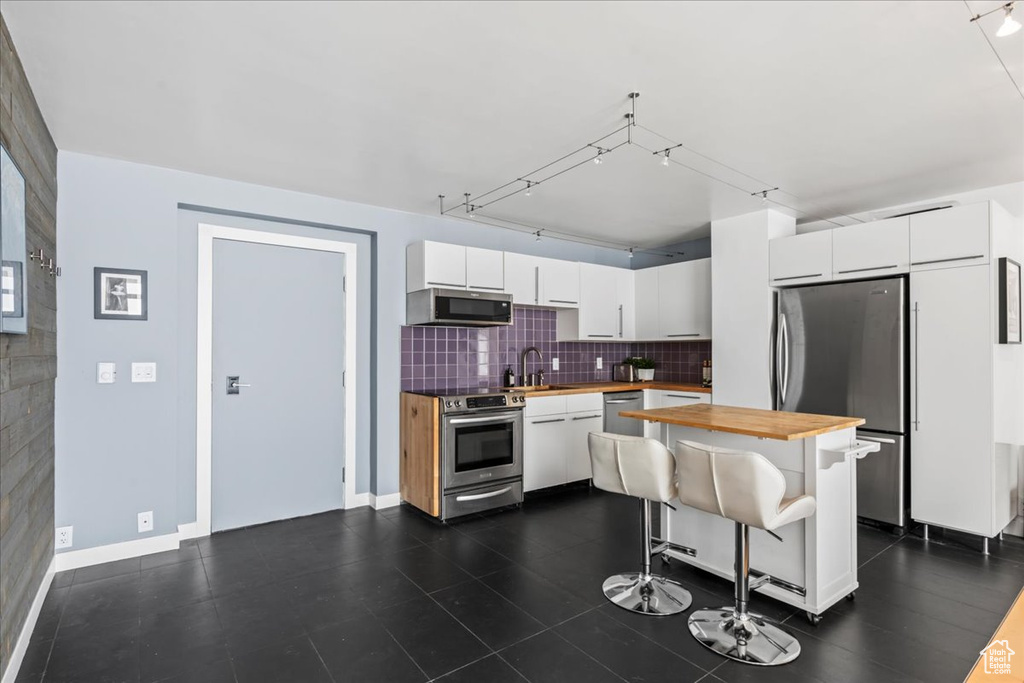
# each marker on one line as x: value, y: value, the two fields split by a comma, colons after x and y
x: 664, y: 162
x: 631, y: 252
x: 536, y: 236
x: 597, y: 159
x: 528, y: 186
x: 763, y: 194
x: 1010, y: 25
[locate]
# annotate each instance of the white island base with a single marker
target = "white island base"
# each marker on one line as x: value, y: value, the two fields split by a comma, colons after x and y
x: 817, y: 556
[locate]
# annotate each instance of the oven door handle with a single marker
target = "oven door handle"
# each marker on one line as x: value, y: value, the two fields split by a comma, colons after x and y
x: 477, y: 420
x: 481, y: 496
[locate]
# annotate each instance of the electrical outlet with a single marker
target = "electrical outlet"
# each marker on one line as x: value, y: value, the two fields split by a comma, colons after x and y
x: 600, y: 363
x: 554, y: 364
x: 63, y: 537
x: 143, y: 372
x: 145, y: 521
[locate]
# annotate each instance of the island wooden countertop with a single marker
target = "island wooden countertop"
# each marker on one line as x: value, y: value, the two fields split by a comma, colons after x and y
x: 767, y: 424
x: 607, y: 387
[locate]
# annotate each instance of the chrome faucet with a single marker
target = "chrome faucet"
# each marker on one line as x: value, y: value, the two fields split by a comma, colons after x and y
x: 522, y: 364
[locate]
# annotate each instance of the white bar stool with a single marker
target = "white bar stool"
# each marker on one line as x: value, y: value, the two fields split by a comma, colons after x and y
x: 644, y: 468
x: 748, y: 489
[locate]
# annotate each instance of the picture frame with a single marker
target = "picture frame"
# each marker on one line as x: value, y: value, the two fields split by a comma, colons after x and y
x: 120, y: 294
x: 1009, y: 302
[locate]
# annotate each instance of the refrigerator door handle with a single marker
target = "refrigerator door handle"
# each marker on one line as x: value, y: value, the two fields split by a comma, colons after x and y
x: 917, y: 415
x: 876, y: 439
x: 783, y: 352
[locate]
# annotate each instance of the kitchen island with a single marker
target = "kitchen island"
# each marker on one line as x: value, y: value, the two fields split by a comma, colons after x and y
x: 815, y: 563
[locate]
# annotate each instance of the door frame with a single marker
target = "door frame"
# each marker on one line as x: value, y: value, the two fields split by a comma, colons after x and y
x: 204, y: 366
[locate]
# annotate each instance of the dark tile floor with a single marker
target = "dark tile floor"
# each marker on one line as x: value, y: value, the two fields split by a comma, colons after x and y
x: 392, y: 596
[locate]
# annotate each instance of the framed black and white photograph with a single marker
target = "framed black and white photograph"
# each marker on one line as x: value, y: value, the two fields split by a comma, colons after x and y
x: 12, y: 289
x: 1009, y: 302
x: 119, y: 294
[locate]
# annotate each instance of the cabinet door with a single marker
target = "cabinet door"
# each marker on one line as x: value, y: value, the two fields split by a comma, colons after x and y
x: 444, y: 265
x: 485, y: 269
x: 950, y: 237
x: 577, y: 450
x: 560, y: 283
x: 648, y: 324
x: 626, y: 293
x: 801, y: 258
x: 878, y: 248
x: 951, y: 399
x: 522, y: 277
x: 599, y: 312
x: 684, y: 300
x: 544, y: 446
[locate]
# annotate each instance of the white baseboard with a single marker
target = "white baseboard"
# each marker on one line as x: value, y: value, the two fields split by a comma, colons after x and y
x: 357, y: 501
x: 187, y: 531
x: 388, y: 500
x: 116, y: 551
x: 21, y: 645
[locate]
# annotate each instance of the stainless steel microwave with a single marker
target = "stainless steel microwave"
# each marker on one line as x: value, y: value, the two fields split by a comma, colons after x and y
x: 458, y: 307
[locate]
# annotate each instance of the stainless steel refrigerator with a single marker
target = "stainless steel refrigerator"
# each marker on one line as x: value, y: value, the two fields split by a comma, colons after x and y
x: 840, y: 349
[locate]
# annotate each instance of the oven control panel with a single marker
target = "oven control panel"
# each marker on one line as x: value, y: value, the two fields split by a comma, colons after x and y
x: 514, y: 399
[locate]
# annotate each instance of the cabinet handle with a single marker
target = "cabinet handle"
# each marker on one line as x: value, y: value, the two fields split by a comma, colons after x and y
x: 564, y: 301
x: 587, y: 417
x: 445, y: 284
x: 493, y: 289
x: 544, y: 422
x: 601, y: 335
x: 688, y: 334
x: 620, y: 320
x: 862, y: 270
x: 946, y: 260
x: 536, y: 284
x: 796, y: 277
x: 695, y: 398
x: 917, y: 394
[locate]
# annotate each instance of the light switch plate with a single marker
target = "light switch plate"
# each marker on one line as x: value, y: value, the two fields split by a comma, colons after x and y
x: 106, y: 373
x: 143, y: 372
x: 145, y: 521
x: 554, y: 364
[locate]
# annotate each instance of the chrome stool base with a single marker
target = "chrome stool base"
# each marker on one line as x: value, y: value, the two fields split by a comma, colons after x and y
x: 751, y: 639
x: 656, y: 596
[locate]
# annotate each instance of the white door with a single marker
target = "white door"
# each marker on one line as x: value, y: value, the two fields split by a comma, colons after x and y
x: 278, y: 437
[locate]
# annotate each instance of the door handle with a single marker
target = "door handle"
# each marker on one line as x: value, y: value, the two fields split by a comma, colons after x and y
x: 917, y: 394
x: 234, y: 385
x: 481, y: 496
x: 692, y: 398
x: 602, y: 336
x: 689, y: 334
x: 586, y: 417
x: 796, y: 277
x: 782, y: 352
x: 617, y: 401
x: 875, y: 439
x: 445, y: 284
x: 544, y: 422
x: 864, y: 270
x: 495, y: 289
x: 494, y: 419
x: 620, y: 320
x: 947, y: 260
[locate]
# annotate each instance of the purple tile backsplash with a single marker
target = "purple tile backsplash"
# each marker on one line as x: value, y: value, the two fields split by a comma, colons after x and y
x: 457, y: 357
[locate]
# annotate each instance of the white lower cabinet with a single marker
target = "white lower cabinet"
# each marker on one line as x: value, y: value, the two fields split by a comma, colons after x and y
x: 555, y: 430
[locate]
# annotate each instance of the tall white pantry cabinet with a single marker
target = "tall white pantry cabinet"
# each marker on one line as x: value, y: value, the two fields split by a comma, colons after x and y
x: 967, y: 390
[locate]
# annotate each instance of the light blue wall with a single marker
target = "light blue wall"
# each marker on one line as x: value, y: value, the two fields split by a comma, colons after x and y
x: 125, y: 448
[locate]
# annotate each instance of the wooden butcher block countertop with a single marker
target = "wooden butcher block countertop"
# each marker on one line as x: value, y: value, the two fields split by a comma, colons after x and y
x: 604, y: 387
x: 767, y: 424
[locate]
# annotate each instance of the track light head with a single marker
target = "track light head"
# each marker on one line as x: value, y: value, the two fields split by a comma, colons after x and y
x: 631, y: 252
x: 536, y: 236
x: 598, y: 159
x: 664, y: 162
x: 1010, y: 25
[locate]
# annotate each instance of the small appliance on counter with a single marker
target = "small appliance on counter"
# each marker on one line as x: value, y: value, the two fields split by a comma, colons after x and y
x: 625, y: 372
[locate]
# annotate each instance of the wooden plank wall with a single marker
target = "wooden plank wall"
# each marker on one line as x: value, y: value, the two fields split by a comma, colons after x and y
x: 28, y: 364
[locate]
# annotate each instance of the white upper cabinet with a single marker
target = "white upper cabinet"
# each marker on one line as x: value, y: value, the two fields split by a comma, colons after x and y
x: 485, y: 269
x: 950, y: 238
x: 648, y: 325
x: 559, y: 283
x: 599, y: 314
x: 800, y: 258
x: 684, y: 300
x: 522, y: 278
x: 871, y: 249
x: 435, y: 264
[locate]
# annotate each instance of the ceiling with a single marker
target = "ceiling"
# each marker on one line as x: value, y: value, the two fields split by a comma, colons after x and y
x: 845, y: 106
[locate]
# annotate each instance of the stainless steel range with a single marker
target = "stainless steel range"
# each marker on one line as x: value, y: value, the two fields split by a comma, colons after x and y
x: 481, y: 450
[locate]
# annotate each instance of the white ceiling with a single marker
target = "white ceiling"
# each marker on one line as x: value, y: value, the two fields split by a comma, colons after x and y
x: 846, y: 106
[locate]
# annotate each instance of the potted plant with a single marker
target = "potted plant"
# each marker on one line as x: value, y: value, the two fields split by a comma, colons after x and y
x: 644, y: 368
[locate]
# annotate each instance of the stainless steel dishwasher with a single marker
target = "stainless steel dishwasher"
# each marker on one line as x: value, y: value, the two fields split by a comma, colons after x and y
x: 614, y: 403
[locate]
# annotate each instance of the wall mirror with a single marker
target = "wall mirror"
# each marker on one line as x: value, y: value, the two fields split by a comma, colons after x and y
x: 13, y: 268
